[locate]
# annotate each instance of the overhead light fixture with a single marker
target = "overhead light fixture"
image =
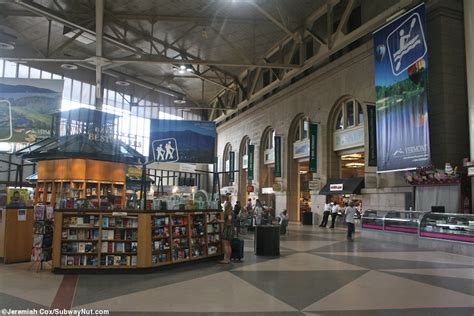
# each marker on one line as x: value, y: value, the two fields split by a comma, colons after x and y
x: 303, y: 171
x: 7, y: 46
x: 351, y: 157
x: 7, y: 41
x: 182, y: 69
x: 122, y: 83
x: 354, y: 165
x: 68, y: 66
x: 179, y: 100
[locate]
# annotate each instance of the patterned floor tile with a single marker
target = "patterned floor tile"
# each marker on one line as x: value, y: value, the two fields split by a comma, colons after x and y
x: 299, y: 262
x: 299, y: 288
x: 462, y: 273
x: 217, y: 293
x: 16, y: 303
x: 376, y: 290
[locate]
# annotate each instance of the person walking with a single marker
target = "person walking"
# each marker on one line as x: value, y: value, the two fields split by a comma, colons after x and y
x: 228, y: 231
x: 350, y: 213
x: 334, y: 210
x: 327, y: 210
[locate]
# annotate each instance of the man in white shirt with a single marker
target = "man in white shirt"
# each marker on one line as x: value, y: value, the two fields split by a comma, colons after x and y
x: 334, y: 210
x: 350, y: 213
x: 327, y: 210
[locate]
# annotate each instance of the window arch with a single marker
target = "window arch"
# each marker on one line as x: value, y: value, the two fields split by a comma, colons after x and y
x: 268, y: 138
x: 301, y: 131
x: 349, y: 114
x: 225, y: 164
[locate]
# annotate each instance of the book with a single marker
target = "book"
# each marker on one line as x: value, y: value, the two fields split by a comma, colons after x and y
x: 134, y: 247
x: 82, y: 247
x: 49, y: 212
x: 89, y: 247
x: 69, y: 260
x: 105, y: 222
x: 72, y: 234
x: 37, y: 241
x: 134, y: 261
x: 110, y: 247
x: 104, y: 247
x: 95, y: 234
x: 38, y: 228
x: 72, y: 221
x: 80, y: 220
x: 117, y: 260
x: 81, y: 234
x: 39, y: 212
x: 111, y: 222
x: 119, y: 247
x: 110, y: 235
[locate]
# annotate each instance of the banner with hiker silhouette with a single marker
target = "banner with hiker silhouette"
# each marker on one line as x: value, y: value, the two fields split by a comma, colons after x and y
x: 182, y: 141
x: 401, y: 80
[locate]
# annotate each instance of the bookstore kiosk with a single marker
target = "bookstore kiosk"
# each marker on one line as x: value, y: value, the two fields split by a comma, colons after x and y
x: 82, y: 174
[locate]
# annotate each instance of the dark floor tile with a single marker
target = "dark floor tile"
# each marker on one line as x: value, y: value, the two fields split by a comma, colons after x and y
x: 465, y: 286
x: 299, y: 288
x: 368, y: 246
x: 16, y: 303
x: 378, y: 263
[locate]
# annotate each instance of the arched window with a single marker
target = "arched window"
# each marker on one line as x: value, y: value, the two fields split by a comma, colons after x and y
x: 302, y: 130
x: 350, y: 114
x: 268, y: 142
x: 226, y: 164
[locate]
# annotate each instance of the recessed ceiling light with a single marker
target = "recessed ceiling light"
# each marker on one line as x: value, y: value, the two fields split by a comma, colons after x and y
x: 180, y: 100
x: 122, y: 83
x: 69, y: 66
x: 354, y: 165
x: 6, y: 46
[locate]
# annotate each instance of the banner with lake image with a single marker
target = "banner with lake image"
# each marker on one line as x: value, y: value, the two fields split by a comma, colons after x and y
x: 26, y: 108
x: 401, y: 79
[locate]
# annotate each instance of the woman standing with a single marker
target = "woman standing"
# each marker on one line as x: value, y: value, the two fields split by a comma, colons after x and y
x: 228, y: 231
x: 258, y: 213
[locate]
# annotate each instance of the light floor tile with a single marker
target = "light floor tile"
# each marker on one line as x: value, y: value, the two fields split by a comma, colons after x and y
x: 461, y: 273
x: 220, y: 292
x: 299, y: 262
x: 37, y: 287
x: 377, y: 291
x: 301, y: 245
x: 425, y: 256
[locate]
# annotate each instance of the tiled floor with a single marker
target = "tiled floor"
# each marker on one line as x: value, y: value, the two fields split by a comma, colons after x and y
x: 318, y: 273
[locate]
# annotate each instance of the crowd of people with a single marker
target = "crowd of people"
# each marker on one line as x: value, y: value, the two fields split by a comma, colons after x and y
x: 238, y: 218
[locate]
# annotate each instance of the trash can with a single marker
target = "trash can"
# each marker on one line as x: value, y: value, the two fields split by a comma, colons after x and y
x: 267, y: 240
x: 308, y: 218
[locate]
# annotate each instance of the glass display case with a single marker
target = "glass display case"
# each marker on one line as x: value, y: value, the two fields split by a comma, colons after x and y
x: 457, y: 227
x: 402, y: 221
x: 373, y: 219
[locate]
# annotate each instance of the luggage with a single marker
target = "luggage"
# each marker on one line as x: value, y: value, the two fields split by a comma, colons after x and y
x: 237, y: 246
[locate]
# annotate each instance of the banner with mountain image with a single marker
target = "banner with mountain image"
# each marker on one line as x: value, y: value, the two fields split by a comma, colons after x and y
x: 401, y: 79
x: 26, y: 108
x: 182, y: 141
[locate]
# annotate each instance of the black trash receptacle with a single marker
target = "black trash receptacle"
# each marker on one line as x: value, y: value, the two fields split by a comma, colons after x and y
x: 267, y: 240
x: 308, y: 218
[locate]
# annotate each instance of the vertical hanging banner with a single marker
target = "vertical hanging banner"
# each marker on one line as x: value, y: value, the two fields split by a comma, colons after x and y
x: 215, y: 171
x: 250, y: 151
x: 372, y: 126
x: 277, y: 148
x: 313, y: 144
x: 401, y: 79
x: 232, y: 166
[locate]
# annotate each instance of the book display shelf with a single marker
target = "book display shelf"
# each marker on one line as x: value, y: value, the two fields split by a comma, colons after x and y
x: 130, y: 239
x: 80, y: 183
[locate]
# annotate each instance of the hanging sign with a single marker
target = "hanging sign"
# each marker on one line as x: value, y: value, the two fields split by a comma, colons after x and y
x: 372, y: 126
x: 231, y: 166
x: 250, y: 170
x: 250, y: 188
x: 214, y: 170
x: 401, y: 82
x: 313, y: 143
x: 277, y: 147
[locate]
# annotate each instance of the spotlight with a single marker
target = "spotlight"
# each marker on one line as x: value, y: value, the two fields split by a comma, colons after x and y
x: 68, y: 66
x: 122, y: 83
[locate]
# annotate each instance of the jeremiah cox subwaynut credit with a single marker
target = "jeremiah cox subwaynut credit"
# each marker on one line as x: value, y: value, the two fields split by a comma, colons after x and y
x: 56, y: 311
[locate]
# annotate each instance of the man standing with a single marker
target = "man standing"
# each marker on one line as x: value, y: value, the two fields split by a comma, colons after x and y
x: 350, y: 213
x: 334, y: 210
x: 327, y: 210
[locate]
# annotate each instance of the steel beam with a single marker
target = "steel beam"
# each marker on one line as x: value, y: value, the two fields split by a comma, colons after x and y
x: 99, y: 31
x: 341, y: 42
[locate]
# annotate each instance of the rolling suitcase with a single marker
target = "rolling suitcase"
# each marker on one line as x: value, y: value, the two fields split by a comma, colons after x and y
x: 237, y: 246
